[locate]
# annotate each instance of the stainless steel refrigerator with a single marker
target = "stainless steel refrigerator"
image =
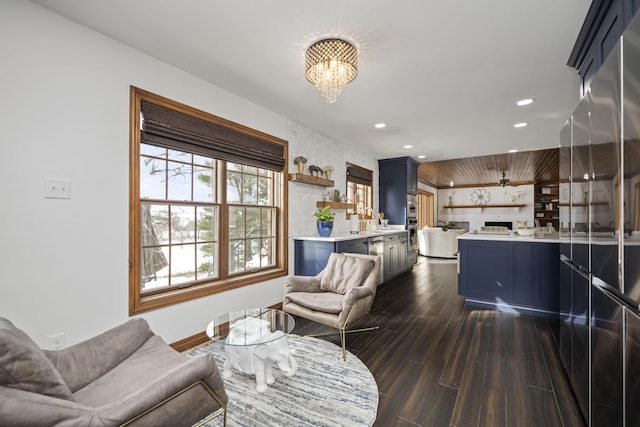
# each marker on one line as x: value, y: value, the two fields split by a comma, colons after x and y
x: 600, y: 253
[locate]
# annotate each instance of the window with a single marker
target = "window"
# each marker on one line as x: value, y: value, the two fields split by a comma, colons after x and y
x: 360, y: 190
x: 207, y: 204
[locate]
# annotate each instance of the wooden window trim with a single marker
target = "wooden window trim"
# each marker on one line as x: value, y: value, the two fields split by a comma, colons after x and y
x: 138, y: 302
x: 362, y: 176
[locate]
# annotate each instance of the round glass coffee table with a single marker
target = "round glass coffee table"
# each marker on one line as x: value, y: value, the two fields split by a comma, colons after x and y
x: 255, y: 339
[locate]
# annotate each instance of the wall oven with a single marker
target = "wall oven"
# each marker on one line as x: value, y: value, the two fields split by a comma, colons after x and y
x: 412, y: 206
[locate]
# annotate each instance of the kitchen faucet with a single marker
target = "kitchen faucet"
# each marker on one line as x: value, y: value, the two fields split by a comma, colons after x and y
x: 363, y: 222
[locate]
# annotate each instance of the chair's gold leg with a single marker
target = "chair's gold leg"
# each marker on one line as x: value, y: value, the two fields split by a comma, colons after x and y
x: 343, y: 334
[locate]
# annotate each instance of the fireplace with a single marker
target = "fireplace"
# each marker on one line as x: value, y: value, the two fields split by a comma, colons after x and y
x: 507, y: 224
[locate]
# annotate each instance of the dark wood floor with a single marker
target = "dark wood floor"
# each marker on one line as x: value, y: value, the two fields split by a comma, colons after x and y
x: 438, y: 363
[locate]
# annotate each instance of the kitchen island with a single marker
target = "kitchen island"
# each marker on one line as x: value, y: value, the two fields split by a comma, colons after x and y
x: 312, y: 253
x: 511, y: 273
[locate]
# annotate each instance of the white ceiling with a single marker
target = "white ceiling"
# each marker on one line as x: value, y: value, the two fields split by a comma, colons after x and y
x: 444, y: 75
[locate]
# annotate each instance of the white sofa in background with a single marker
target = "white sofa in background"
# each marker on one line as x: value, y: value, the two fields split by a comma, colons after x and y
x: 435, y: 242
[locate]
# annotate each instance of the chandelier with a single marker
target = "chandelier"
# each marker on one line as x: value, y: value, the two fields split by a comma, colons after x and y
x: 330, y: 65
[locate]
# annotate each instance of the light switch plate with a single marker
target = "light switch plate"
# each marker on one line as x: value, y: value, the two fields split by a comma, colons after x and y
x: 57, y: 188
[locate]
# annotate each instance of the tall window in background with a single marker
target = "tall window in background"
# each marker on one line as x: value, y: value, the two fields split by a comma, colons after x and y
x: 360, y: 190
x: 207, y: 204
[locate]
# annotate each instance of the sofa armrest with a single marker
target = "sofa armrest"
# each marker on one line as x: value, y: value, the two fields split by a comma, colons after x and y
x: 302, y: 284
x: 164, y: 387
x: 19, y: 408
x: 82, y: 363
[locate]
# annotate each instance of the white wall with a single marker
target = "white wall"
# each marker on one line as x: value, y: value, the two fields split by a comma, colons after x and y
x: 476, y: 217
x: 64, y: 105
x: 320, y: 150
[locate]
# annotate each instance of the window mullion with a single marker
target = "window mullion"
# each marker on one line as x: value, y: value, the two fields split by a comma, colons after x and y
x: 223, y: 230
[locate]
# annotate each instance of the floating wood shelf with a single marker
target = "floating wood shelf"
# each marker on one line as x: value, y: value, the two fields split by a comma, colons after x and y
x: 483, y: 206
x: 335, y: 205
x: 310, y: 179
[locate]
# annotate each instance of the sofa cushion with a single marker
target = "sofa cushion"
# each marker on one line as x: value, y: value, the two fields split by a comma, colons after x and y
x: 24, y: 366
x: 344, y: 272
x: 327, y: 302
x: 151, y: 361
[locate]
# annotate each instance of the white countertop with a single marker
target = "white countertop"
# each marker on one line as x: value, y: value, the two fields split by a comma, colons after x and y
x: 512, y: 237
x: 549, y: 238
x: 343, y: 237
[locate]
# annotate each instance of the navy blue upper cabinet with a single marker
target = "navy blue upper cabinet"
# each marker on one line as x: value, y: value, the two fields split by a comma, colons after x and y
x: 398, y: 177
x: 603, y: 26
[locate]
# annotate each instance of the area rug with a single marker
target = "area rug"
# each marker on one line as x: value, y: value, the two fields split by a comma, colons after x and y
x: 325, y: 391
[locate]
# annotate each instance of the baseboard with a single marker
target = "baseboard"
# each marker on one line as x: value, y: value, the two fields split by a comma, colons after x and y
x: 201, y: 337
x: 190, y: 342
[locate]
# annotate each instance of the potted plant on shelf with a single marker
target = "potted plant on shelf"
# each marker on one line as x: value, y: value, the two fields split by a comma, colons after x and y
x: 324, y: 222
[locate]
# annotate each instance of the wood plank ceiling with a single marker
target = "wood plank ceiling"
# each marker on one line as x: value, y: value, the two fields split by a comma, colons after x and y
x: 520, y: 168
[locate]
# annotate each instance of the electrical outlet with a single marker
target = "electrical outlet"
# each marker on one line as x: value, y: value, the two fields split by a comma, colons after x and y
x: 57, y: 341
x: 57, y: 188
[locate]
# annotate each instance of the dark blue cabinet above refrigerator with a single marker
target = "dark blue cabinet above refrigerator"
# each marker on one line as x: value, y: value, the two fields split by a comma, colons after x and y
x: 605, y: 22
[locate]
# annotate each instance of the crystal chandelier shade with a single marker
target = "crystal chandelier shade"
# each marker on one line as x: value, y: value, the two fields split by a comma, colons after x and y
x: 330, y: 65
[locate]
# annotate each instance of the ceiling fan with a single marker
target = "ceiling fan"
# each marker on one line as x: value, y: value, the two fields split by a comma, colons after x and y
x: 504, y: 181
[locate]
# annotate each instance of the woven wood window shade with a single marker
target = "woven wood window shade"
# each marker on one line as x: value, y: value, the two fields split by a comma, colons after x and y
x: 359, y: 175
x: 168, y: 128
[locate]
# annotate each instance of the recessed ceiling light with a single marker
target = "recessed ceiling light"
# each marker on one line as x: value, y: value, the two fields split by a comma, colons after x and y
x: 525, y: 101
x: 380, y: 125
x: 422, y: 157
x: 408, y: 146
x: 451, y: 184
x: 521, y: 125
x: 515, y: 150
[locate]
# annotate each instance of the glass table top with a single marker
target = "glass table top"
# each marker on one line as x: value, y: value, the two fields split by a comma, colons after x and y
x: 250, y: 326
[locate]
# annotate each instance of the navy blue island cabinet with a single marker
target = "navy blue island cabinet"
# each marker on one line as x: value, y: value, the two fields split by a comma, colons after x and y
x: 311, y: 256
x: 516, y: 276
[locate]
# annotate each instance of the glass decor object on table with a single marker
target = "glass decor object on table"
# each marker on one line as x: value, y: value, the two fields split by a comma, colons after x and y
x: 255, y: 339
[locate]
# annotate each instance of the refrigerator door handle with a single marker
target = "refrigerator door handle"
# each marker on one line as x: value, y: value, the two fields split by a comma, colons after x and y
x: 615, y: 294
x: 574, y: 266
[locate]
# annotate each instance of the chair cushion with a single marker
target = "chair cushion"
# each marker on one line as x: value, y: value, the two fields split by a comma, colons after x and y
x: 344, y: 272
x: 327, y: 302
x: 24, y: 366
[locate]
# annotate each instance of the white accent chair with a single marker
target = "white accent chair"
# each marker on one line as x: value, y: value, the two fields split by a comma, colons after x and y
x: 438, y: 243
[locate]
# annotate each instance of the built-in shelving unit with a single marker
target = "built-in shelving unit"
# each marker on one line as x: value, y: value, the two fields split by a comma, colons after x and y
x: 545, y: 203
x: 310, y: 179
x: 584, y: 205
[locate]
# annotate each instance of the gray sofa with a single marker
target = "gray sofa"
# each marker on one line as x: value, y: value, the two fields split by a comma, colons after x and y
x: 124, y: 376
